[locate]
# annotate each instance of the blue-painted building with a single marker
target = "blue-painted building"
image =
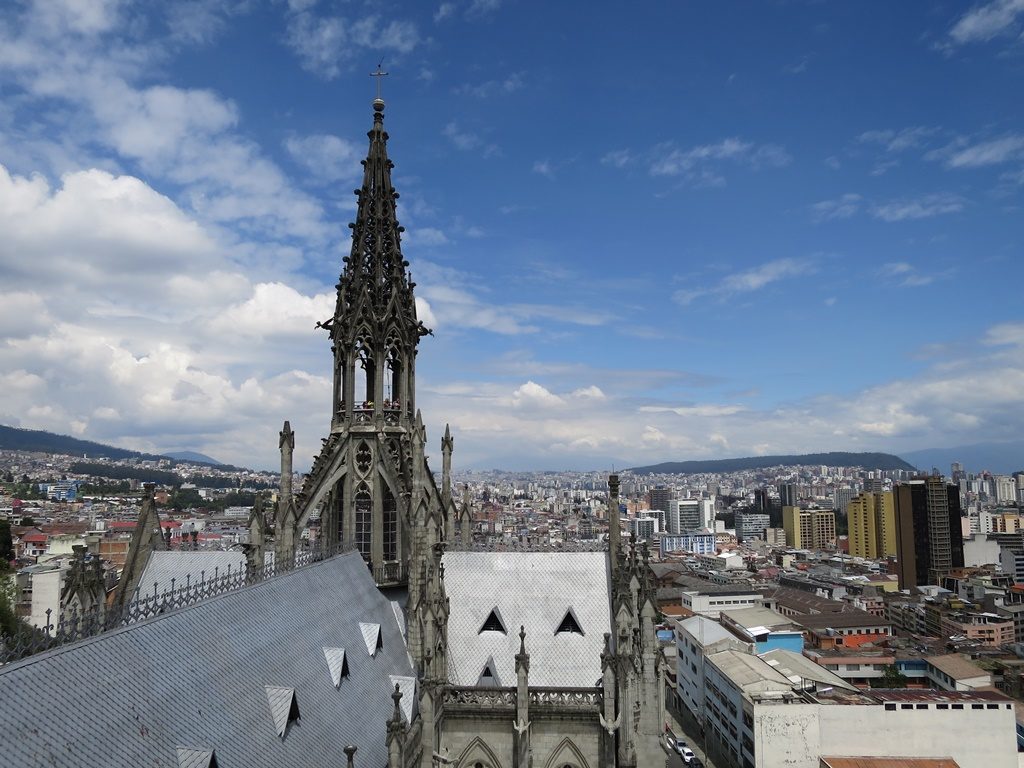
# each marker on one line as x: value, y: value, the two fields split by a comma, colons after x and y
x: 766, y: 629
x: 65, y: 490
x: 695, y: 542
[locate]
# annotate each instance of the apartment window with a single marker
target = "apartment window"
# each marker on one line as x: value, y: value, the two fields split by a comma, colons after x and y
x: 906, y: 706
x: 958, y: 706
x: 977, y: 706
x: 922, y: 706
x: 991, y: 706
x: 890, y: 707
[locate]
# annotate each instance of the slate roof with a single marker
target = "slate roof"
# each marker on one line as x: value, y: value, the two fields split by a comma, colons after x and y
x: 197, y: 679
x: 164, y: 565
x: 533, y: 589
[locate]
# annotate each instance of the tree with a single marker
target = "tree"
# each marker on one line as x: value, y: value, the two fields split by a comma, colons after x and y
x: 15, y: 631
x: 6, y: 544
x: 892, y: 678
x: 28, y: 520
x: 9, y: 477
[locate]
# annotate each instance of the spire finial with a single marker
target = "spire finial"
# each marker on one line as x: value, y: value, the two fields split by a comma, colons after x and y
x: 378, y: 103
x: 397, y: 698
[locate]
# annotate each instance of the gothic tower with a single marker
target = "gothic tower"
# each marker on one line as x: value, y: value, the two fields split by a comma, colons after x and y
x: 370, y: 482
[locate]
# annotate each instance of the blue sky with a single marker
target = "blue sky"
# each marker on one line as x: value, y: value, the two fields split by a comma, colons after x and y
x: 703, y: 230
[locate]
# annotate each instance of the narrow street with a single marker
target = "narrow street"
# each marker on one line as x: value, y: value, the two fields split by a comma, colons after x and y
x: 685, y: 727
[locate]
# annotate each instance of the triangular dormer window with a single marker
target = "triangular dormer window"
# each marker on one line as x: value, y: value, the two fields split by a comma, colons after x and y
x: 489, y: 675
x: 570, y: 623
x: 337, y: 663
x: 284, y: 709
x: 493, y: 623
x: 196, y: 758
x: 371, y: 636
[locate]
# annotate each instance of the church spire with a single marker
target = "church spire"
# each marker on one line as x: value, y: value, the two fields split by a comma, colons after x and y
x: 375, y: 266
x: 370, y: 482
x: 374, y: 329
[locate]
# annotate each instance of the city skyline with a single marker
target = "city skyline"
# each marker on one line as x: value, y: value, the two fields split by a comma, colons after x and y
x: 807, y: 224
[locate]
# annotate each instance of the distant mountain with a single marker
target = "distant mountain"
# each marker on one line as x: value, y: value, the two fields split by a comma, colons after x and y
x: 1000, y: 458
x: 833, y: 459
x: 193, y: 457
x: 15, y: 439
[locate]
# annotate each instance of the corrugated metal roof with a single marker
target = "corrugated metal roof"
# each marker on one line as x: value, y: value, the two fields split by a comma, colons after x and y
x: 956, y: 666
x: 798, y: 667
x: 889, y: 762
x: 534, y: 590
x: 123, y: 704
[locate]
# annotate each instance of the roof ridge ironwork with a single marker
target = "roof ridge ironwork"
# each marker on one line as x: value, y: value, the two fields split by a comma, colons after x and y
x: 76, y: 626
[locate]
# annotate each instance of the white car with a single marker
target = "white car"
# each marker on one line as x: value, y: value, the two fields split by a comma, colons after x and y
x: 680, y: 747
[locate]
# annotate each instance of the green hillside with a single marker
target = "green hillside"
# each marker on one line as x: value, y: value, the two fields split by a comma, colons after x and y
x: 884, y: 461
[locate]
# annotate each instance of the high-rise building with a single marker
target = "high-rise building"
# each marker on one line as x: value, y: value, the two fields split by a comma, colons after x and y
x: 750, y: 525
x: 643, y: 528
x: 707, y: 513
x: 929, y: 540
x: 1005, y: 489
x: 809, y: 528
x: 660, y: 498
x: 874, y: 485
x: 841, y: 499
x: 788, y: 494
x: 872, y: 525
x: 684, y: 515
x: 761, y: 502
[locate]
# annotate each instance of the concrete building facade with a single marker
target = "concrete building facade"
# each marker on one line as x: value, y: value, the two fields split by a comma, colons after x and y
x: 872, y: 522
x: 929, y: 542
x: 809, y: 528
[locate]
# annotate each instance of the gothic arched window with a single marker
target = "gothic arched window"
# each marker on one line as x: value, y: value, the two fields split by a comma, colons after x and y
x: 390, y: 526
x: 364, y: 521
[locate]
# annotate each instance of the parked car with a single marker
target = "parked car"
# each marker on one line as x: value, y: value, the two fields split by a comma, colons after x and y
x: 685, y: 752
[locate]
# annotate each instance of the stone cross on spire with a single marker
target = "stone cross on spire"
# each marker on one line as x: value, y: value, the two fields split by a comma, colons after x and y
x: 379, y: 74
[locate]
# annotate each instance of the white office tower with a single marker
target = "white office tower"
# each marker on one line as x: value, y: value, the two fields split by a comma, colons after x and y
x: 707, y: 513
